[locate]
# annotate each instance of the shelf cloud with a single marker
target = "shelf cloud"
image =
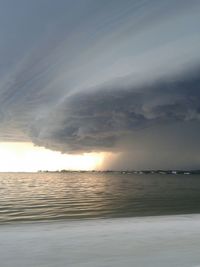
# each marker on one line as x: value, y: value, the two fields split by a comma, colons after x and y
x: 117, y: 76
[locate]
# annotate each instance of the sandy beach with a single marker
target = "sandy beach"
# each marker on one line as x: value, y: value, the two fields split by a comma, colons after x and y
x: 146, y: 241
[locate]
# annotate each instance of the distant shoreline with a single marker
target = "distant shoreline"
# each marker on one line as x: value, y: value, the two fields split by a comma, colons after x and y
x: 139, y: 172
x: 169, y: 172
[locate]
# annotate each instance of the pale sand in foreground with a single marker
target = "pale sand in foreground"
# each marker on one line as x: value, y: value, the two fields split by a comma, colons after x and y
x: 147, y: 241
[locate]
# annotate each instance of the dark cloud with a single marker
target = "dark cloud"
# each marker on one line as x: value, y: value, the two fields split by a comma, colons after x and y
x: 97, y: 119
x: 169, y: 146
x: 81, y: 76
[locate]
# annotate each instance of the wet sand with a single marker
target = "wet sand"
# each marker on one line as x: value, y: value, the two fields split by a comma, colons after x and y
x: 163, y: 241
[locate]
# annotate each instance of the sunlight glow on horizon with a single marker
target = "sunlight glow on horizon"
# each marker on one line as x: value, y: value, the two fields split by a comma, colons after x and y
x: 25, y: 157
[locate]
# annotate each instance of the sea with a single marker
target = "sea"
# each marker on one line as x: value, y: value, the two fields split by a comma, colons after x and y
x: 45, y: 197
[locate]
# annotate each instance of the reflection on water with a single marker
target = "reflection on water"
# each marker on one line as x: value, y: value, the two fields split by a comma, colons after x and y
x: 54, y: 196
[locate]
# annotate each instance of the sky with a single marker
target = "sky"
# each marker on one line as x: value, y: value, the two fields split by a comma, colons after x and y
x: 116, y: 81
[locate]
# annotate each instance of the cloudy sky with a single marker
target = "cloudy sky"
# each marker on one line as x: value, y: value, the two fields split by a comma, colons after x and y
x: 117, y: 76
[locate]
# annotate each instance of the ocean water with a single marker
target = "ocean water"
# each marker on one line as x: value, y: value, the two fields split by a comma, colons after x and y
x: 31, y: 197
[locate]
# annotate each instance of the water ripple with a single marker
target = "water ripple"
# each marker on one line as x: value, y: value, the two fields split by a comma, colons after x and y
x: 57, y: 196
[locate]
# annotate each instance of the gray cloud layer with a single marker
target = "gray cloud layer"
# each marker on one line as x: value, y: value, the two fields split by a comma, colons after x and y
x: 98, y: 119
x: 81, y: 76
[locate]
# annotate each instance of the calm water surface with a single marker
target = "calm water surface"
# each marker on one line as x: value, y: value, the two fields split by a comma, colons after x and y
x: 60, y: 196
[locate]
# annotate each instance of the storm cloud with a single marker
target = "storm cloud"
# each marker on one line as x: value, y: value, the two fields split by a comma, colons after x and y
x: 119, y: 76
x: 97, y: 119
